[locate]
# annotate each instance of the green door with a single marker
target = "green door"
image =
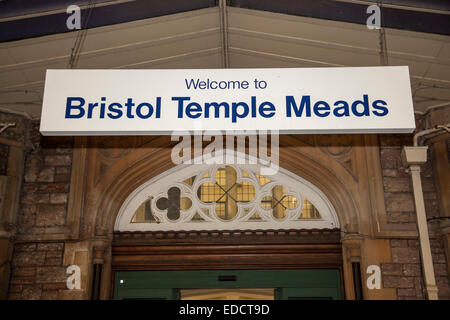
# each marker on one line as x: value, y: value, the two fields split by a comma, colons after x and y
x: 287, y: 284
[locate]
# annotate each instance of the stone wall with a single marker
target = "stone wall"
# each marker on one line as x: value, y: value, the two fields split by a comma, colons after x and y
x: 38, y: 272
x: 37, y: 266
x: 405, y: 271
x: 46, y: 183
x: 398, y: 188
x: 12, y: 145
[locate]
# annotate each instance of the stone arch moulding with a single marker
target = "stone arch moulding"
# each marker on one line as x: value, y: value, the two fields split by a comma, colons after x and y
x: 128, y: 175
x: 157, y: 188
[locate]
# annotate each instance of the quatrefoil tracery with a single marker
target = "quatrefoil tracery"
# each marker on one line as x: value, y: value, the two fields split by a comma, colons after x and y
x: 174, y: 205
x: 280, y: 203
x: 227, y: 194
x: 173, y: 201
x: 223, y: 184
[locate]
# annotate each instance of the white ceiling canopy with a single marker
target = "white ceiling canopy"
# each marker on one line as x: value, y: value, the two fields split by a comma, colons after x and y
x: 224, y: 37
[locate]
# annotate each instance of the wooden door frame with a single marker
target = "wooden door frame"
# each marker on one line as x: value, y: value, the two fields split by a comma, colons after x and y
x: 227, y: 250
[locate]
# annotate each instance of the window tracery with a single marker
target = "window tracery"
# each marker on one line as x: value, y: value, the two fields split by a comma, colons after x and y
x: 210, y: 197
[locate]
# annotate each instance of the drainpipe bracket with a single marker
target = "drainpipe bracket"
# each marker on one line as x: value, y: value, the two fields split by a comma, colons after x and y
x: 432, y: 292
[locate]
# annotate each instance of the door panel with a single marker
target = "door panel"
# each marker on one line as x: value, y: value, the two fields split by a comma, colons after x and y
x: 289, y: 284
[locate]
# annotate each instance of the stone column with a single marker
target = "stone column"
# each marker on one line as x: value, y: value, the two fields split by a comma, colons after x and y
x: 101, y: 268
x: 351, y: 251
x: 10, y: 186
x: 97, y: 264
x: 412, y: 158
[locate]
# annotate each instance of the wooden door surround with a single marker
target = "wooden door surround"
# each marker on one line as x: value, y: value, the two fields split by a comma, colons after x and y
x: 227, y: 250
x: 346, y: 168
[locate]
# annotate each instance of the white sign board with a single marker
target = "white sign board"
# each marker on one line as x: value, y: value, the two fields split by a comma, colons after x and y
x: 291, y: 100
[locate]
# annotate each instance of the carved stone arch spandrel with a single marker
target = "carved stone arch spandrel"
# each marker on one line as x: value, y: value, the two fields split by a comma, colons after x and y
x: 330, y: 184
x: 102, y: 195
x: 126, y: 182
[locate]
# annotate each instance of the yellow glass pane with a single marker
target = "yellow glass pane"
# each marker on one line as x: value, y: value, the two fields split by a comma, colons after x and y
x: 210, y: 192
x: 190, y: 181
x: 309, y: 211
x: 139, y: 216
x: 278, y: 207
x: 255, y: 217
x: 143, y: 214
x: 197, y: 217
x: 245, y: 192
x: 221, y: 176
x: 279, y: 202
x: 206, y: 211
x: 224, y: 192
x: 185, y: 203
x: 266, y: 202
x: 220, y: 210
x: 290, y: 202
x: 262, y: 180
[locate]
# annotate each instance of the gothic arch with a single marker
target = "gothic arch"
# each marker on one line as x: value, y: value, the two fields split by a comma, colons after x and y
x: 113, y: 189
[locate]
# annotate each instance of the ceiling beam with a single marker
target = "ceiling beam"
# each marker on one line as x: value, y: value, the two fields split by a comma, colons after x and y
x: 224, y: 32
x: 355, y: 12
x: 335, y: 45
x: 113, y: 50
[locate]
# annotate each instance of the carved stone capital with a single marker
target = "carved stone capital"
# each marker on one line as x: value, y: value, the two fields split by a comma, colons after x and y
x: 352, y: 247
x: 98, y: 255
